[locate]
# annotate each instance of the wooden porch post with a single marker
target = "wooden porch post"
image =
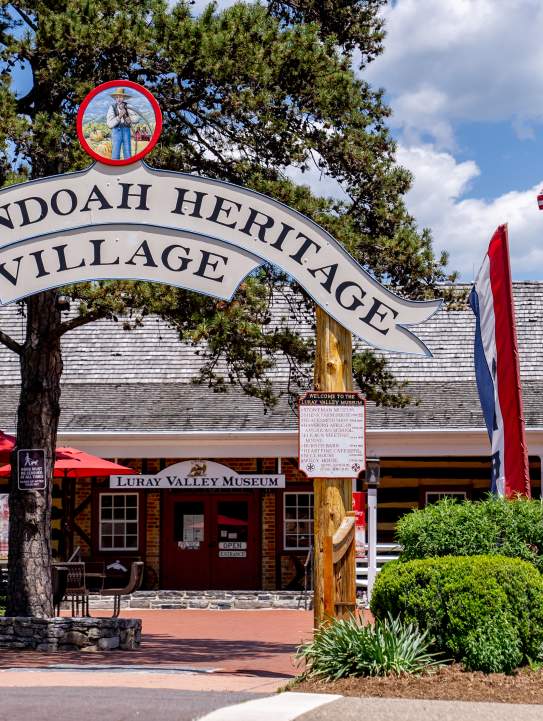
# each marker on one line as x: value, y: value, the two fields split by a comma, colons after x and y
x: 333, y: 497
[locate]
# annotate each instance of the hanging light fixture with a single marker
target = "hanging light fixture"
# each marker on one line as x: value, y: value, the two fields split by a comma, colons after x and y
x: 373, y: 471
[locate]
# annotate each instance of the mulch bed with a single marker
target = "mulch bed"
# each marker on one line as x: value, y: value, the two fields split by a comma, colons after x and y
x: 448, y: 683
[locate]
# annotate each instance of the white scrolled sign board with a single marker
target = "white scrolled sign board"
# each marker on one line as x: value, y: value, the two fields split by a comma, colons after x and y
x: 332, y: 434
x: 135, y: 222
x: 203, y: 475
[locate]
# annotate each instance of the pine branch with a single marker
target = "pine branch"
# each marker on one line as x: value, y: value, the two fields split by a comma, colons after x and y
x: 6, y: 340
x: 80, y: 320
x: 25, y: 17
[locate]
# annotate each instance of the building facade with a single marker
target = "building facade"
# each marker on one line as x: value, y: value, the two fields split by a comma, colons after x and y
x: 130, y: 396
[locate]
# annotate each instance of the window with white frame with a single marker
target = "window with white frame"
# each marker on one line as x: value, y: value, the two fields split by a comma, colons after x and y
x: 298, y: 521
x: 434, y: 496
x: 118, y: 521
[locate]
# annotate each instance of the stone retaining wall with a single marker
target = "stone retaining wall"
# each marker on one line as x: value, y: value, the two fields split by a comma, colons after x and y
x: 212, y: 600
x: 70, y: 634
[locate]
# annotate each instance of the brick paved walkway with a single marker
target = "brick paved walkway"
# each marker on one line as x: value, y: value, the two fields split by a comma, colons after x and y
x: 251, y: 643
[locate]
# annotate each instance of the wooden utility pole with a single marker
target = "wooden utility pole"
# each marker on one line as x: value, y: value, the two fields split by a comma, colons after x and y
x: 333, y: 497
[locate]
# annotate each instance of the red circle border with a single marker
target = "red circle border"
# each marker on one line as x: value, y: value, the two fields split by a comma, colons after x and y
x: 115, y: 84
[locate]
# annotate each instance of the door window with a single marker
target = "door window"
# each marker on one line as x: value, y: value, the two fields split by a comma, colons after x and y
x: 189, y: 524
x: 232, y: 528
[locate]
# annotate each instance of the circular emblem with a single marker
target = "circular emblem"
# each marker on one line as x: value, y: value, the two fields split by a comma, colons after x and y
x: 119, y: 122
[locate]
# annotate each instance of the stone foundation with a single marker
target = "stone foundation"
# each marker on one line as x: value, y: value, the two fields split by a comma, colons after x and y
x: 70, y: 634
x: 212, y: 600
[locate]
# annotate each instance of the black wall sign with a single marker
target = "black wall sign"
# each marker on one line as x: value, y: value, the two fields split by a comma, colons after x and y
x: 31, y: 469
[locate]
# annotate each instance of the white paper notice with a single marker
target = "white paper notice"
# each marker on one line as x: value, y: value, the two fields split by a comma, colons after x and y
x: 331, y: 433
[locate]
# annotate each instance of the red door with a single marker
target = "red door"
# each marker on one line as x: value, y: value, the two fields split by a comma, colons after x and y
x: 210, y: 541
x: 234, y: 552
x: 185, y: 542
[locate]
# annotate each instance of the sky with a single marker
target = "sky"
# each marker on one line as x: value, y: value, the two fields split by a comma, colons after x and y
x: 98, y: 106
x: 464, y: 79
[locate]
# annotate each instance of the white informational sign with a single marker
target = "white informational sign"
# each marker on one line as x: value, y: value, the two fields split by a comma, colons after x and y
x: 188, y: 545
x: 232, y: 554
x: 332, y: 434
x: 135, y: 222
x: 203, y: 475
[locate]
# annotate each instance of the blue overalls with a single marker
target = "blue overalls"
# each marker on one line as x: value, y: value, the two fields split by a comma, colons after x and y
x: 120, y: 137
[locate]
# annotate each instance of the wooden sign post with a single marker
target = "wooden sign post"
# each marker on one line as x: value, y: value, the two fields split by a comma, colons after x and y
x: 333, y: 497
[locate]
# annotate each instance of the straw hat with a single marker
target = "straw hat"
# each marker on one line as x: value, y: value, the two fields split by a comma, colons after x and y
x: 120, y: 92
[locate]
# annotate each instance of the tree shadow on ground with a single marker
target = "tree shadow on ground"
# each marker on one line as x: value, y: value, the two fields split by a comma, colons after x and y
x: 256, y: 658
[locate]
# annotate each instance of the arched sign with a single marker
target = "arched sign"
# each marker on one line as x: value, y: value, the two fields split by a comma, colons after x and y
x: 206, y: 235
x: 136, y: 222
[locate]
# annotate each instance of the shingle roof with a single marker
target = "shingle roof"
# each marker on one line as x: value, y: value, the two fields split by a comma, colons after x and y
x: 449, y: 335
x: 142, y: 379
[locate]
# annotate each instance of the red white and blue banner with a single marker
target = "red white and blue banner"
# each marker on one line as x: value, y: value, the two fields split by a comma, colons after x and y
x: 497, y: 369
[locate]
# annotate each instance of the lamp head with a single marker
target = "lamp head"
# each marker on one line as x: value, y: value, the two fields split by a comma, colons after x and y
x: 373, y: 472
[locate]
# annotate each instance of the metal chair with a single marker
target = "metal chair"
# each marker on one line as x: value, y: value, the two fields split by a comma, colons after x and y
x: 134, y: 582
x: 59, y: 581
x: 76, y: 555
x: 95, y: 574
x: 76, y: 589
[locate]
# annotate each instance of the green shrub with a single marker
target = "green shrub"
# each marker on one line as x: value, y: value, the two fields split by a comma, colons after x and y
x: 486, y: 611
x: 491, y: 527
x: 349, y: 647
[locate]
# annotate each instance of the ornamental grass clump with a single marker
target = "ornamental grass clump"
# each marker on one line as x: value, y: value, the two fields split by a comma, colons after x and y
x: 342, y: 648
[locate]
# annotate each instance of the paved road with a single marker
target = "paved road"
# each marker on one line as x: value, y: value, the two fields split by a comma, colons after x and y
x: 111, y: 704
x: 387, y: 709
x: 115, y: 703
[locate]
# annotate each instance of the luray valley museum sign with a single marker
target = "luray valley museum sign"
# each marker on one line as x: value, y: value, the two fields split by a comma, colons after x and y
x: 121, y: 219
x: 203, y: 475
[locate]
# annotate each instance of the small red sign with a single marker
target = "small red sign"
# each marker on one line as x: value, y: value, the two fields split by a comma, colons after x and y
x: 119, y: 122
x: 359, y: 508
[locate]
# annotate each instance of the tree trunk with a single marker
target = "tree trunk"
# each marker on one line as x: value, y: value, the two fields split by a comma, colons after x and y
x: 29, y: 584
x: 333, y: 497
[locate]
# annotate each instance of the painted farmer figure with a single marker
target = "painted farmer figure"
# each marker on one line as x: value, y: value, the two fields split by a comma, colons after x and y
x: 120, y: 117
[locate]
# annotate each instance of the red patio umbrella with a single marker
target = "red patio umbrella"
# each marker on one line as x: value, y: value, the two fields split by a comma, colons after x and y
x: 73, y: 463
x: 7, y: 444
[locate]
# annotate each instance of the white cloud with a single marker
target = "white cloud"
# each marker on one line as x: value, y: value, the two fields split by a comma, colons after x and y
x: 198, y: 6
x: 463, y: 227
x: 460, y: 225
x: 424, y: 112
x: 450, y: 60
x: 319, y: 182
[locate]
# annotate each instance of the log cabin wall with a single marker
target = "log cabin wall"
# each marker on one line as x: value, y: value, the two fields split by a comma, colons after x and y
x: 405, y: 484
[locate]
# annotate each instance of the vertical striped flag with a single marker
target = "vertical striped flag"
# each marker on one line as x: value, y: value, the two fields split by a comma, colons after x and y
x: 497, y: 369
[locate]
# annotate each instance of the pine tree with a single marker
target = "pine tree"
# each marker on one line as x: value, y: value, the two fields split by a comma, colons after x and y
x: 247, y: 95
